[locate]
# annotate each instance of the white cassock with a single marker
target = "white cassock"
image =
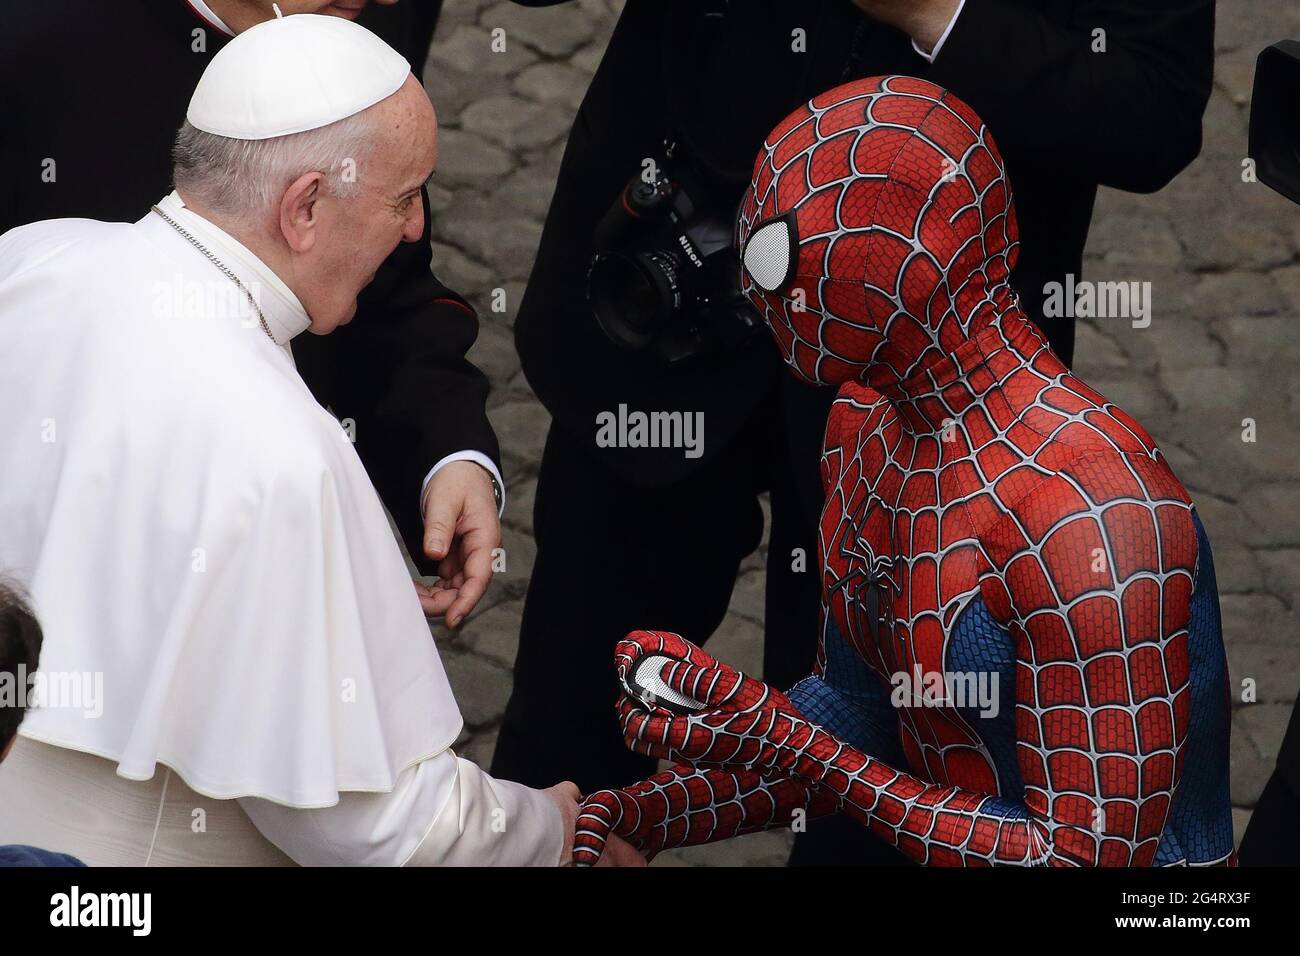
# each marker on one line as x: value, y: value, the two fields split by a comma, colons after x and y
x: 194, y: 528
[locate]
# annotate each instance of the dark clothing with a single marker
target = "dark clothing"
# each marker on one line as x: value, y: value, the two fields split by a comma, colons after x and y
x: 647, y: 538
x: 1065, y: 118
x: 18, y: 855
x: 1272, y: 837
x: 99, y: 90
x: 613, y: 557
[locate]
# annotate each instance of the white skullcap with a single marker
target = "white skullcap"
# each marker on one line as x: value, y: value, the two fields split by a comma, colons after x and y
x: 293, y: 74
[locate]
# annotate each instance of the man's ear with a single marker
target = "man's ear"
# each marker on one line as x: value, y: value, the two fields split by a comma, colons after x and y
x: 300, y: 211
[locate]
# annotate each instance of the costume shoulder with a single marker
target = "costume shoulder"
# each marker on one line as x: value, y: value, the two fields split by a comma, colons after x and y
x: 1091, y: 503
x: 1096, y: 446
x: 1080, y: 421
x: 1078, y: 474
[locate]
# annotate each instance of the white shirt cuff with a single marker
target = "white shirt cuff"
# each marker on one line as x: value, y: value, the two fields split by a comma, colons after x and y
x: 479, y: 459
x: 930, y: 55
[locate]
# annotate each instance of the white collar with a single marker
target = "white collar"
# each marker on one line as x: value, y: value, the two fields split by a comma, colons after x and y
x: 205, y: 12
x: 282, y: 310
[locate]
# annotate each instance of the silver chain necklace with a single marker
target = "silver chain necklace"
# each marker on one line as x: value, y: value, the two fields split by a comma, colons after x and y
x: 220, y: 265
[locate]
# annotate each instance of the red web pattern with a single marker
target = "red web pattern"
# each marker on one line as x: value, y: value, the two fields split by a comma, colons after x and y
x: 962, y: 460
x: 683, y: 806
x: 905, y: 226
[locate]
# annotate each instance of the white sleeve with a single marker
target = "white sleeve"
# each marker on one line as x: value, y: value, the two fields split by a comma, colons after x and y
x: 444, y: 811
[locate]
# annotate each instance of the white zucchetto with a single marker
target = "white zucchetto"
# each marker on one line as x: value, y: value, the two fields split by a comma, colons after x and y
x: 292, y: 74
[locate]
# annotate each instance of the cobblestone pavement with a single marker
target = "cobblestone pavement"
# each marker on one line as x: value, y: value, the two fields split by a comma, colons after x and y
x: 1222, y: 347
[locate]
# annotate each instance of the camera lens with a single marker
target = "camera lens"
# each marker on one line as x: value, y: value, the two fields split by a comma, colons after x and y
x: 634, y: 296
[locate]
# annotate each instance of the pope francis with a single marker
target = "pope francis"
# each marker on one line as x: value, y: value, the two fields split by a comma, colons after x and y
x: 199, y: 535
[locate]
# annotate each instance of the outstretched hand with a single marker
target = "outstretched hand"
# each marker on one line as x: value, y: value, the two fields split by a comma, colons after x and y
x: 611, y: 851
x: 461, y: 529
x: 611, y: 830
x: 682, y: 704
x: 683, y: 806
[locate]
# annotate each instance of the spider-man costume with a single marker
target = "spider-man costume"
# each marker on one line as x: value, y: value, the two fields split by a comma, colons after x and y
x: 988, y: 515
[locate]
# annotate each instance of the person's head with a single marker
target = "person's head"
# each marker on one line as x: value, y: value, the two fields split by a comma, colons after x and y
x: 878, y: 233
x: 323, y: 208
x: 239, y: 15
x: 20, y: 652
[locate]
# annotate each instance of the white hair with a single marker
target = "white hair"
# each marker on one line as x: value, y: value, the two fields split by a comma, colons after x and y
x: 244, y: 178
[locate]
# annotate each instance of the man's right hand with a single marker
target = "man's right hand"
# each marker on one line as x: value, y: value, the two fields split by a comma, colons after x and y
x: 618, y: 852
x: 565, y: 797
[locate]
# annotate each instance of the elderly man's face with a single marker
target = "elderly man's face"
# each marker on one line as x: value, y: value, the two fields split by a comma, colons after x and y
x: 356, y: 235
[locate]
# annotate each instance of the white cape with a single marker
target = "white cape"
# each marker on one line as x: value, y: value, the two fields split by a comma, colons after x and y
x: 196, y: 529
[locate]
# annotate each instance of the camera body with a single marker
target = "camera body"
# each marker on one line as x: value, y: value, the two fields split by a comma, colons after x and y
x: 665, y: 274
x: 1275, y: 119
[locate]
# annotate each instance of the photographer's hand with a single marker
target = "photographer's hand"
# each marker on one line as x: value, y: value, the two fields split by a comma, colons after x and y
x: 925, y: 21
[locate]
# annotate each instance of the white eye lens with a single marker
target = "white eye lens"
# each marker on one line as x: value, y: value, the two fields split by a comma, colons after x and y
x: 767, y: 254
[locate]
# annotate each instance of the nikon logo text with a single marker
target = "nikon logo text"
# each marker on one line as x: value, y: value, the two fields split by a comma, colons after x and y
x: 690, y: 251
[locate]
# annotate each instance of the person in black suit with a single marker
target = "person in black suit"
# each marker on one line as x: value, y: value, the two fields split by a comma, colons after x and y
x: 1079, y: 93
x: 93, y: 93
x: 1272, y: 836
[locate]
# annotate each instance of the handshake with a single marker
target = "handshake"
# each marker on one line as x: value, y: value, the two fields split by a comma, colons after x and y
x: 744, y: 758
x: 614, y: 851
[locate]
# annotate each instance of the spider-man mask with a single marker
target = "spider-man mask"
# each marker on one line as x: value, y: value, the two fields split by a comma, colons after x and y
x: 878, y: 231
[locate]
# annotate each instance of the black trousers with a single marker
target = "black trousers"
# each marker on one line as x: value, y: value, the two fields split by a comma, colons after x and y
x: 614, y: 557
x: 1272, y: 837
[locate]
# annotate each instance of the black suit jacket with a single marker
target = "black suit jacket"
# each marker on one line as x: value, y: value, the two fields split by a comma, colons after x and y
x: 101, y: 88
x: 1066, y: 119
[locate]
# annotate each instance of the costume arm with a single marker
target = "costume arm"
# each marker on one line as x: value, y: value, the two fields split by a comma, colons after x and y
x: 683, y: 806
x: 687, y: 807
x: 444, y: 811
x: 1099, y: 612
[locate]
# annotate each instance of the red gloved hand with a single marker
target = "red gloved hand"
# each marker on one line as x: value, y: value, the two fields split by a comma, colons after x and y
x: 682, y: 704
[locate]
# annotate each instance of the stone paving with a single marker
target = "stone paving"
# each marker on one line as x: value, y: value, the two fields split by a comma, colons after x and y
x: 1223, y: 257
